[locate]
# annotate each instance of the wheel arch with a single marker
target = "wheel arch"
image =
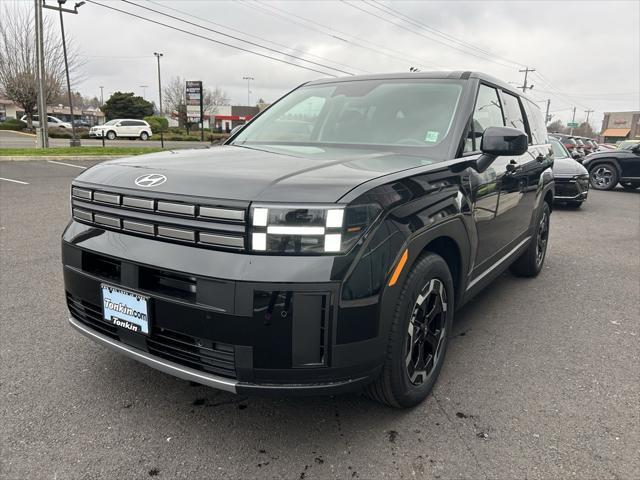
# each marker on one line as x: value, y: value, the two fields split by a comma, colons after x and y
x: 599, y: 161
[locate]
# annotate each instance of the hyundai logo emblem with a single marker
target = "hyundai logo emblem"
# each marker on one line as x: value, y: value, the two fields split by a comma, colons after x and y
x: 150, y: 180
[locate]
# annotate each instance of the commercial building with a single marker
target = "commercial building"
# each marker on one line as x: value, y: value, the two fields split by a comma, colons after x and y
x: 619, y: 126
x: 93, y: 116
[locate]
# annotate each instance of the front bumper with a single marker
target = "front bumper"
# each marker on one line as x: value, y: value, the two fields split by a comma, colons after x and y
x: 571, y: 189
x: 236, y: 322
x: 96, y: 134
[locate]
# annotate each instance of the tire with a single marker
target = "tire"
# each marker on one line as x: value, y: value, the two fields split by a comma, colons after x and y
x: 531, y: 261
x: 404, y: 383
x: 603, y: 176
x: 111, y: 135
x: 630, y: 185
x: 144, y: 136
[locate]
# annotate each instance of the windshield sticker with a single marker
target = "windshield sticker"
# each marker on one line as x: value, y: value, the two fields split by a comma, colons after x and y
x: 431, y: 136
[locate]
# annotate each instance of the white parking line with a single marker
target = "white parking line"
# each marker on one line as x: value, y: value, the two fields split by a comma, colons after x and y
x: 66, y: 164
x: 14, y: 181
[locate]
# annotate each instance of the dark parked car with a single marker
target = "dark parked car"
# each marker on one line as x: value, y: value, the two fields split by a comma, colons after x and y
x: 571, y: 179
x: 326, y: 246
x: 609, y: 167
x: 571, y: 144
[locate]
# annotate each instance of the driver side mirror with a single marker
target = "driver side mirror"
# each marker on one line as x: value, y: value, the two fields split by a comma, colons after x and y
x: 500, y: 141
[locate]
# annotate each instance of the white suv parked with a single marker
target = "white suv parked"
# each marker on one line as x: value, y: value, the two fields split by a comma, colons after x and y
x: 122, y: 127
x: 51, y: 122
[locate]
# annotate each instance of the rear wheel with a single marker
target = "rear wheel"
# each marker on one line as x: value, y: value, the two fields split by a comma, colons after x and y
x: 530, y: 262
x: 144, y: 136
x: 419, y: 334
x: 603, y: 176
x: 111, y: 135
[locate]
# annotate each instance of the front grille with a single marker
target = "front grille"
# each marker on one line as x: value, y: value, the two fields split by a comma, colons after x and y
x: 203, y: 225
x: 197, y: 353
x: 569, y: 187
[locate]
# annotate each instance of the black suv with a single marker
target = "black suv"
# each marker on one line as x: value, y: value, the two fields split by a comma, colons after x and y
x: 326, y: 246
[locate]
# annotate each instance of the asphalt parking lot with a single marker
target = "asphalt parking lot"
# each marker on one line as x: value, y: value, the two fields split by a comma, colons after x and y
x: 542, y: 378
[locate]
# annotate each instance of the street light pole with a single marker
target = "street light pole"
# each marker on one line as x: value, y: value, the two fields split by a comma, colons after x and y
x: 42, y: 136
x: 75, y: 141
x: 158, y: 55
x: 248, y: 79
x: 101, y: 96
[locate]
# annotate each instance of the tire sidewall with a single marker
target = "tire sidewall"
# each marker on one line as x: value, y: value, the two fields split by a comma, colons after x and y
x: 426, y: 268
x: 111, y: 135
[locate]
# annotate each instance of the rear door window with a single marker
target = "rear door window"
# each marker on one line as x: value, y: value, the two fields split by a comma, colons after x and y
x: 537, y: 125
x: 513, y: 112
x: 487, y: 113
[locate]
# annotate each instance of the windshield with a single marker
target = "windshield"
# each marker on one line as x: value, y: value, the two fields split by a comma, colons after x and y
x: 558, y: 150
x: 408, y: 113
x: 111, y: 122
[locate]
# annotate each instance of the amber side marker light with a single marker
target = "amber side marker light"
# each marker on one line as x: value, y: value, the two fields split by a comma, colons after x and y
x: 399, y: 267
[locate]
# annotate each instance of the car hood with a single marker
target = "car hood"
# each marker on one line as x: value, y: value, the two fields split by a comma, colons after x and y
x: 281, y: 174
x: 567, y: 167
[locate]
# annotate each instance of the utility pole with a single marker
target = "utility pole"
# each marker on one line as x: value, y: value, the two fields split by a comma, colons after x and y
x: 101, y: 96
x: 547, y: 118
x: 248, y: 79
x: 158, y: 55
x: 588, y: 112
x: 144, y: 91
x: 526, y: 71
x: 573, y: 119
x: 42, y: 132
x: 75, y: 141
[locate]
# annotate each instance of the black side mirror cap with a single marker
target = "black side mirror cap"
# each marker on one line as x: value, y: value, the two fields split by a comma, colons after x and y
x: 501, y: 141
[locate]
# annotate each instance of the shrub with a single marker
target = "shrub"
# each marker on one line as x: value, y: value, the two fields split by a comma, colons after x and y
x: 158, y: 124
x: 66, y: 132
x: 13, y: 124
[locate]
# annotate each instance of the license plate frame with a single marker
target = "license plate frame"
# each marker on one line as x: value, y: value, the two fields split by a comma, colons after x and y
x: 125, y: 308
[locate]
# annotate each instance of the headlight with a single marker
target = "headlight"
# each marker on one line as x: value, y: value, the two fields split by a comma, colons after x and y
x: 309, y: 229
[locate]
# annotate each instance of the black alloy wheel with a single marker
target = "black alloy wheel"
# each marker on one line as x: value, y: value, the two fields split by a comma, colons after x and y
x: 542, y: 237
x: 426, y: 332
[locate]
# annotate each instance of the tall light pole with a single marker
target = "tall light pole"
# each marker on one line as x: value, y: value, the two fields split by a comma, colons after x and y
x: 42, y: 136
x: 158, y: 55
x: 248, y: 79
x: 75, y: 141
x: 101, y: 95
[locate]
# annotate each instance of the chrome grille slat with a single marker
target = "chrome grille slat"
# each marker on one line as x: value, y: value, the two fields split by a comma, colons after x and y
x: 203, y: 225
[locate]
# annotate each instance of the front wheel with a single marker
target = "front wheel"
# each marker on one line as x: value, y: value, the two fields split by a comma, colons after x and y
x: 603, y: 176
x: 419, y: 333
x: 530, y: 262
x: 111, y: 135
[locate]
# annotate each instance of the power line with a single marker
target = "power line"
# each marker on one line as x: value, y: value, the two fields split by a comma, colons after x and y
x: 282, y: 45
x: 388, y: 10
x: 210, y: 39
x: 239, y: 39
x: 373, y: 14
x: 334, y: 34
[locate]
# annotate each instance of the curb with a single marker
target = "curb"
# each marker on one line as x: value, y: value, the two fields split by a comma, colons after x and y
x: 26, y: 158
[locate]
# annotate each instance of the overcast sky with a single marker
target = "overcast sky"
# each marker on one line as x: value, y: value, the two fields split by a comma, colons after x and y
x: 587, y: 52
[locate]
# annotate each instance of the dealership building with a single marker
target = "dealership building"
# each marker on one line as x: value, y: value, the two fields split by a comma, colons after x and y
x: 619, y: 126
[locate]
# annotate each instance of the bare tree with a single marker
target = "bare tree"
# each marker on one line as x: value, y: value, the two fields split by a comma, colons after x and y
x: 214, y: 98
x: 18, y: 71
x: 174, y: 96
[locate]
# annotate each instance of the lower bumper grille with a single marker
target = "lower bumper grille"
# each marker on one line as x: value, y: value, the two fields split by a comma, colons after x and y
x: 193, y: 352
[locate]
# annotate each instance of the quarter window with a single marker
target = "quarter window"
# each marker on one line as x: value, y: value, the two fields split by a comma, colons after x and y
x: 488, y: 113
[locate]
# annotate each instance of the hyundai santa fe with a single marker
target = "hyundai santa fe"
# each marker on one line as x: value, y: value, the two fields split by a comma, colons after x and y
x: 325, y: 247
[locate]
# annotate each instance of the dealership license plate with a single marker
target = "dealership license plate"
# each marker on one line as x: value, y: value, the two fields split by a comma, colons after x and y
x: 125, y: 309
